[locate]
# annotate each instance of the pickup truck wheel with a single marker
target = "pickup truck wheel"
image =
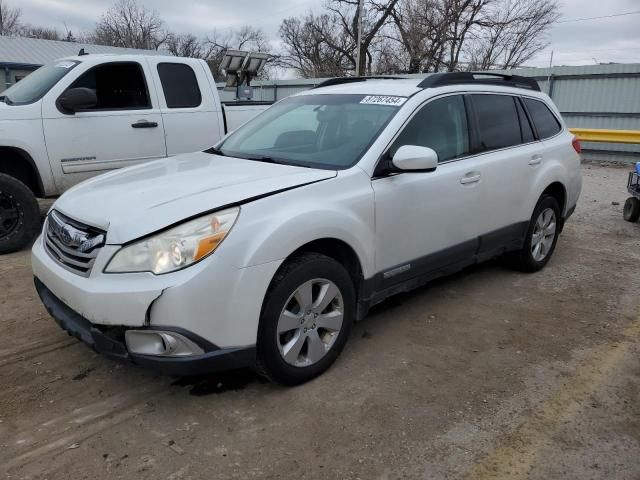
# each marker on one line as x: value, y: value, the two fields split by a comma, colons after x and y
x: 19, y: 214
x: 631, y: 211
x: 541, y: 238
x: 306, y: 319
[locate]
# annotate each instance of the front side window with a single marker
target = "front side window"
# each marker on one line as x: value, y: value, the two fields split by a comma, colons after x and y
x: 440, y: 125
x: 546, y: 123
x: 497, y: 119
x: 35, y: 85
x: 179, y: 85
x: 320, y: 131
x: 118, y: 86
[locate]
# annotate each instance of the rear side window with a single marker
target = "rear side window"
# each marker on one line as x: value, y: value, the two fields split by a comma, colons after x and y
x: 440, y: 125
x: 498, y: 123
x: 546, y: 123
x: 180, y: 85
x: 118, y: 86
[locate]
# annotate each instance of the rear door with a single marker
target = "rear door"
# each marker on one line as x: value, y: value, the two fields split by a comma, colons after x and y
x: 509, y: 153
x: 123, y: 129
x: 190, y: 108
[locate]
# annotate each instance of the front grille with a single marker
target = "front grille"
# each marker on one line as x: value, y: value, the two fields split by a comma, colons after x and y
x: 73, y: 245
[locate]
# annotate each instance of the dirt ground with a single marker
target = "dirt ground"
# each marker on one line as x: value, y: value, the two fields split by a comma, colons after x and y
x: 486, y: 374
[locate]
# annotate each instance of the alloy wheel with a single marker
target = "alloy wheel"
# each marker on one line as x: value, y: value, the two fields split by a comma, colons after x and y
x: 310, y: 322
x: 544, y: 234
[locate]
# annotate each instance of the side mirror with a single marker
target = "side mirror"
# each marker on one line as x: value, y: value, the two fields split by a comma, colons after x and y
x: 76, y: 99
x: 412, y: 158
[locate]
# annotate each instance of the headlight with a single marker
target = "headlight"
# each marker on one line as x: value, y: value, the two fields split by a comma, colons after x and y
x: 176, y: 248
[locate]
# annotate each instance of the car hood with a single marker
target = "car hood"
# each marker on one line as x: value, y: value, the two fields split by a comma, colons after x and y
x: 136, y: 201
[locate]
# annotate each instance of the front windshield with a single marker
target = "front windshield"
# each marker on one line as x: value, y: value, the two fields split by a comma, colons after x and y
x: 36, y: 84
x: 321, y: 131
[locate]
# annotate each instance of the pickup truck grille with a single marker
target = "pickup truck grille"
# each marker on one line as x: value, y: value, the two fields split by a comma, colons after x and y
x: 71, y: 244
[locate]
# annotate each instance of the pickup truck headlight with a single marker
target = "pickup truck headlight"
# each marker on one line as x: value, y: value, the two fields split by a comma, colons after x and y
x: 176, y: 248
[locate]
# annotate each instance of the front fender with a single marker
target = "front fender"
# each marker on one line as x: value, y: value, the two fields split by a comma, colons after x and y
x: 271, y: 229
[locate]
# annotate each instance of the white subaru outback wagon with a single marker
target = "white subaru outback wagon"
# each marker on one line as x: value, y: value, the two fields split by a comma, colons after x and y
x: 264, y: 250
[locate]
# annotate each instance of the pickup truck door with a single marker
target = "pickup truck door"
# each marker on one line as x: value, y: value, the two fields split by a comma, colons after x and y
x: 123, y: 129
x: 427, y: 222
x: 189, y: 103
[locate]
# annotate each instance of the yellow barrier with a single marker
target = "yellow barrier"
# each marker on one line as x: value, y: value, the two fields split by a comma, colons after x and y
x: 607, y: 136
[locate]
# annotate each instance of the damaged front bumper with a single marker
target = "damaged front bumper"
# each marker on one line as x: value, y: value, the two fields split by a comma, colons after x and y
x: 111, y: 341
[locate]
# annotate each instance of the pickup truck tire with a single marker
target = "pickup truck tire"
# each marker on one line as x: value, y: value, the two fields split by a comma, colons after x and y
x: 19, y: 214
x: 541, y: 237
x: 306, y: 319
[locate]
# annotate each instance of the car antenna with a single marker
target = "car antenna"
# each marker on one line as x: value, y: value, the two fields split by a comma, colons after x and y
x: 82, y: 52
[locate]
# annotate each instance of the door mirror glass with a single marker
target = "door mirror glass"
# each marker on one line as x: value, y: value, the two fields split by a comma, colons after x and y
x: 75, y: 99
x: 415, y: 158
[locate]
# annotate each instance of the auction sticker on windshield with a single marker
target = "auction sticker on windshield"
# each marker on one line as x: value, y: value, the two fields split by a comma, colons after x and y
x: 384, y: 100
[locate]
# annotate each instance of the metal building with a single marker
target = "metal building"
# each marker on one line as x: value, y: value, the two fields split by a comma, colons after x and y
x: 20, y: 56
x: 589, y: 96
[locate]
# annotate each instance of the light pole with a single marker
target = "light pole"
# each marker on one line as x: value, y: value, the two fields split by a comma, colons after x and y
x: 359, y: 42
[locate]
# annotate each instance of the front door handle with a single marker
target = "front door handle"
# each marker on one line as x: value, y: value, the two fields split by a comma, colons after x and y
x: 470, y: 178
x: 144, y: 124
x: 535, y: 160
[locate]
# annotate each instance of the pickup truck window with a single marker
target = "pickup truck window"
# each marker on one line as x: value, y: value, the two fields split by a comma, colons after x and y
x: 319, y: 131
x: 118, y: 86
x: 35, y: 85
x: 179, y: 85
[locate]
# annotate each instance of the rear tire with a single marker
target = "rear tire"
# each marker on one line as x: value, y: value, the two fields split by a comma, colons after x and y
x: 306, y: 319
x: 631, y: 211
x: 19, y: 214
x: 541, y: 237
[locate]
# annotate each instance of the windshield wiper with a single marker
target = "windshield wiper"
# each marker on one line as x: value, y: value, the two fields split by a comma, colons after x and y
x: 260, y: 158
x: 215, y: 151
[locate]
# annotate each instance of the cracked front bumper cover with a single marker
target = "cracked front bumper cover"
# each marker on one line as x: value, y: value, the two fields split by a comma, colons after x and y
x: 110, y: 342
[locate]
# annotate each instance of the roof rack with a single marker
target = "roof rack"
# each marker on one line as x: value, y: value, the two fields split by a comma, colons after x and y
x: 485, y: 78
x: 342, y: 80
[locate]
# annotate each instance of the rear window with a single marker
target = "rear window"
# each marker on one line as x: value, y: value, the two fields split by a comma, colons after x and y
x: 180, y: 85
x: 546, y: 123
x: 498, y: 122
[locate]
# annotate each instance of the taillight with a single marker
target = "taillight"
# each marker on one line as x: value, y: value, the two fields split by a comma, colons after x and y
x: 576, y: 145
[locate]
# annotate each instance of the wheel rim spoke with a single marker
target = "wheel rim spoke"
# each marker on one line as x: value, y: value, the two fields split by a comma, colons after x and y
x: 316, y: 348
x: 291, y: 351
x: 326, y: 295
x: 9, y: 215
x: 304, y: 296
x: 331, y: 321
x: 288, y: 321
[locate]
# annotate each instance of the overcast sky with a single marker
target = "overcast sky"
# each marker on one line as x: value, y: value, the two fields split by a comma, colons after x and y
x: 615, y: 39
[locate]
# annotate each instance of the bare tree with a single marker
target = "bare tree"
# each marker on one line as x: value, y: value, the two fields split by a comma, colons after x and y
x: 45, y: 33
x: 9, y: 19
x: 128, y: 24
x: 512, y: 32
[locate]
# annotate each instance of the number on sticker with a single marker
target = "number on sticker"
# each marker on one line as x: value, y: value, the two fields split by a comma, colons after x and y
x: 384, y: 100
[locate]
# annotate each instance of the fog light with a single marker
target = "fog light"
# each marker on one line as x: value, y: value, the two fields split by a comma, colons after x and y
x: 159, y: 343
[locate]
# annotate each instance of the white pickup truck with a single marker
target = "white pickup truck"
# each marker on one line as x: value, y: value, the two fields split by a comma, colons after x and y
x: 81, y: 116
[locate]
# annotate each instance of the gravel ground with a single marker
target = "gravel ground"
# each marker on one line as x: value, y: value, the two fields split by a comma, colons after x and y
x: 486, y: 374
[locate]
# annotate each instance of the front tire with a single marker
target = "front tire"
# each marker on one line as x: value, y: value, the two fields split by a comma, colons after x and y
x: 631, y: 211
x: 541, y: 237
x: 19, y: 214
x: 306, y: 319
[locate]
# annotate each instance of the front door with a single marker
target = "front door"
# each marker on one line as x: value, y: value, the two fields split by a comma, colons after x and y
x: 123, y: 129
x: 426, y: 222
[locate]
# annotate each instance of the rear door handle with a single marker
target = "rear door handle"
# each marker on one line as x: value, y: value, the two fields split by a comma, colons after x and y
x: 144, y: 124
x: 470, y: 178
x: 535, y: 160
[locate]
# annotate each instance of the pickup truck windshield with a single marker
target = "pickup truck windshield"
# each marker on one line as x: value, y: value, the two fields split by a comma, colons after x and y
x: 35, y: 85
x: 320, y: 131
